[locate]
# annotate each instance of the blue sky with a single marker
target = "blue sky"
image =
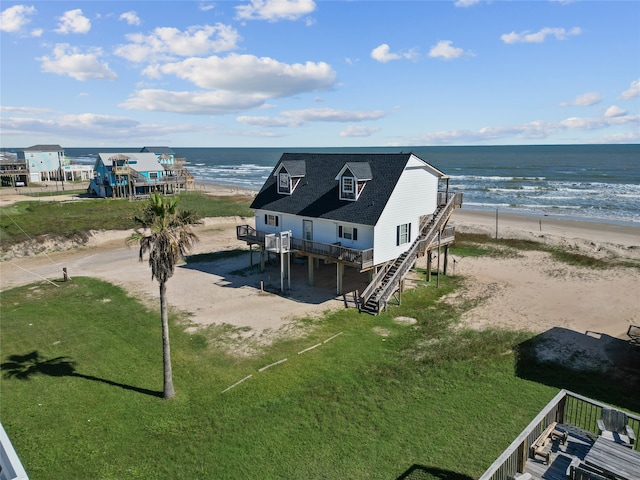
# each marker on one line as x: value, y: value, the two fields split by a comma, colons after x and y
x: 305, y: 73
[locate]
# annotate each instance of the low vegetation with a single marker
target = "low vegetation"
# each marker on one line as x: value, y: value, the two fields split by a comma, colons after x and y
x: 39, y: 220
x: 474, y: 244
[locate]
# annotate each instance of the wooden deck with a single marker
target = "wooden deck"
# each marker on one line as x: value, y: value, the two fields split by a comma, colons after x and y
x: 578, y: 444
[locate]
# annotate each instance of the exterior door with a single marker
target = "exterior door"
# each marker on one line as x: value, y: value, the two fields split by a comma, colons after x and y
x: 307, y: 229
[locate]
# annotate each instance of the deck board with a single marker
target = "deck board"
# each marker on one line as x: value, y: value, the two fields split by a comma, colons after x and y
x: 578, y: 444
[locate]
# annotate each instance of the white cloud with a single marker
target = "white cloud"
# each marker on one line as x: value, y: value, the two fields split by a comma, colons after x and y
x: 12, y: 19
x: 466, y: 3
x: 204, y: 7
x: 444, y: 50
x: 37, y: 32
x: 358, y: 131
x: 627, y: 137
x: 73, y: 21
x: 93, y: 128
x: 382, y: 53
x: 539, y: 36
x: 197, y: 103
x: 334, y: 115
x: 274, y: 10
x: 25, y: 110
x: 584, y: 100
x: 297, y: 118
x: 249, y: 74
x: 276, y: 122
x: 69, y: 124
x: 632, y: 92
x: 131, y: 18
x: 67, y: 60
x: 614, y: 111
x: 530, y: 131
x: 167, y: 43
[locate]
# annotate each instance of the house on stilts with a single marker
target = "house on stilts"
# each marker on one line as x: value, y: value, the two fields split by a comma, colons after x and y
x: 136, y: 174
x: 373, y: 212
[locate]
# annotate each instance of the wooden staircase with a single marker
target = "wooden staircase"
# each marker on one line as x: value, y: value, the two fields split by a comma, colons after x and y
x: 388, y: 280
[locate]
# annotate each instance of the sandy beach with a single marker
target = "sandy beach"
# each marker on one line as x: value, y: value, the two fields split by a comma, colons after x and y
x: 530, y: 291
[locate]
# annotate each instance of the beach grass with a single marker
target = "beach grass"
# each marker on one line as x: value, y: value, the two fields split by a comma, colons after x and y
x: 357, y: 396
x: 39, y: 220
x: 477, y: 244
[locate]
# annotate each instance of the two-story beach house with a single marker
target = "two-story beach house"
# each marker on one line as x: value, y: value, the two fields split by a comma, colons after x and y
x: 374, y: 212
x: 136, y: 174
x: 44, y: 162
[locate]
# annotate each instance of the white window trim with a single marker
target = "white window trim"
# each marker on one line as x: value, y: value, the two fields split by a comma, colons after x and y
x: 285, y: 190
x: 348, y: 192
x: 403, y: 234
x: 347, y: 232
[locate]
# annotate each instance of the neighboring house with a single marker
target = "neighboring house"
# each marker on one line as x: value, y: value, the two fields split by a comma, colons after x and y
x: 172, y: 164
x: 13, y: 172
x: 165, y: 155
x: 132, y: 174
x: 45, y: 162
x: 358, y: 210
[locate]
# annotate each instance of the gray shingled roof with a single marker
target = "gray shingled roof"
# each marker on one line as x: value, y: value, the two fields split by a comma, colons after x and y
x: 316, y: 196
x: 44, y: 148
x: 296, y: 168
x: 361, y: 170
x: 140, y: 161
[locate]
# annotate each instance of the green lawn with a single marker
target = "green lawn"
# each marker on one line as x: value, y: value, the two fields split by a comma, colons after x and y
x: 86, y: 404
x: 82, y: 378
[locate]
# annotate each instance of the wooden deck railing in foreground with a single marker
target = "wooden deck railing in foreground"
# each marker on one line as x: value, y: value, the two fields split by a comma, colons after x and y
x: 567, y: 408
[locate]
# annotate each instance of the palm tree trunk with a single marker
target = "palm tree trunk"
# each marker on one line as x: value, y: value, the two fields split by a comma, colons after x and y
x: 168, y: 391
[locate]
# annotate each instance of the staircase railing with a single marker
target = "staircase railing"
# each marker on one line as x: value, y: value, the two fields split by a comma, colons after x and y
x: 383, y: 285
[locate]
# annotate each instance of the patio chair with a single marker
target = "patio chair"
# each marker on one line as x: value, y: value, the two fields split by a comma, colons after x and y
x: 582, y: 473
x: 612, y: 425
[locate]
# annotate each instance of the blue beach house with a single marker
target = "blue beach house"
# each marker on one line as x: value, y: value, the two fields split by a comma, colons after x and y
x: 172, y: 164
x: 133, y: 175
x: 44, y: 162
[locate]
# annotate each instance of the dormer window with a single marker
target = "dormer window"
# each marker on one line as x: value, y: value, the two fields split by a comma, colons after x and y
x: 348, y: 191
x: 353, y: 178
x: 288, y: 176
x: 284, y: 182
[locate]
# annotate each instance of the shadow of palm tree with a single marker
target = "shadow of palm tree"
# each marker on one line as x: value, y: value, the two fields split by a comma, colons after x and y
x: 23, y: 367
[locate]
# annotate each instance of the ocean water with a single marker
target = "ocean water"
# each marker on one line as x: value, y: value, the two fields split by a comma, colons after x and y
x: 585, y: 182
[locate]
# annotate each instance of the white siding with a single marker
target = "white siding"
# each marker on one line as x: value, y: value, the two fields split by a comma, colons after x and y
x: 324, y: 231
x: 415, y: 194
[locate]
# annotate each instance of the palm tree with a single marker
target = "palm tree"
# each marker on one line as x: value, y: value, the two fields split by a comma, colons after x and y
x: 164, y: 232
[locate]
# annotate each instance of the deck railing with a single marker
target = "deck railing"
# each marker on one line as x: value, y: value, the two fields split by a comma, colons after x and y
x: 445, y: 197
x: 566, y: 407
x: 361, y: 258
x: 10, y: 466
